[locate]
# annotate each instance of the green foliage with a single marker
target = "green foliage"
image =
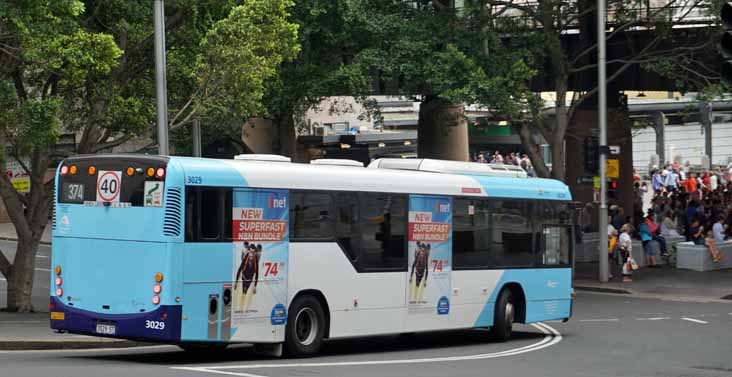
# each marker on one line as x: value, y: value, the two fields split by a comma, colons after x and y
x: 39, y: 125
x: 240, y: 53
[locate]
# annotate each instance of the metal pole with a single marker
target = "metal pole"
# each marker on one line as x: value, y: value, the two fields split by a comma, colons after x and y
x: 160, y: 78
x: 602, y: 111
x: 196, y: 137
x: 705, y: 115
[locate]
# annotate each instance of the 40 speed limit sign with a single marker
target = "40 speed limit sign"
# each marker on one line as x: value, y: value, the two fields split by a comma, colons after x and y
x: 109, y: 184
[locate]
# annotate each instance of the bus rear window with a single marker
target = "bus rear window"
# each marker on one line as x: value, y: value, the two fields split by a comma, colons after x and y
x: 122, y: 181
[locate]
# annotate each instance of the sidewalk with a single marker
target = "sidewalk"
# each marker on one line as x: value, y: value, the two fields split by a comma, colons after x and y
x: 664, y: 282
x: 7, y: 232
x: 32, y: 331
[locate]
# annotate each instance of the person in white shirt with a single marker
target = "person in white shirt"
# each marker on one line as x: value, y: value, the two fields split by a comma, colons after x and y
x: 625, y: 245
x: 713, y: 182
x: 718, y: 229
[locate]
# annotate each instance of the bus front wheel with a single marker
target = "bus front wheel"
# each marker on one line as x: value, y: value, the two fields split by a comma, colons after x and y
x: 504, y: 316
x: 305, y: 327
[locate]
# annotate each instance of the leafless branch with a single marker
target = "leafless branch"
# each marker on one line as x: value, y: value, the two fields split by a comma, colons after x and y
x: 111, y: 144
x: 629, y: 24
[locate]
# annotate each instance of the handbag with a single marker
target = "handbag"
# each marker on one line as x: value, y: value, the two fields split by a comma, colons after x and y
x: 632, y: 263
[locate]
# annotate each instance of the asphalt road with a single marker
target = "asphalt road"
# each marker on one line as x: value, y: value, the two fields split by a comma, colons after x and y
x: 608, y: 336
x: 41, y: 277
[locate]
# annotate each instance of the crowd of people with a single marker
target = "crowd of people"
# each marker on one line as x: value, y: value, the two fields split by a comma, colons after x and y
x: 512, y: 158
x: 696, y: 206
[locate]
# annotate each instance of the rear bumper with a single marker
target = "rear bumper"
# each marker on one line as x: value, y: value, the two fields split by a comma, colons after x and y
x: 128, y: 326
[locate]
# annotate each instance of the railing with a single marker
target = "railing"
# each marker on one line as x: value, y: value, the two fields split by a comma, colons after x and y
x: 680, y: 12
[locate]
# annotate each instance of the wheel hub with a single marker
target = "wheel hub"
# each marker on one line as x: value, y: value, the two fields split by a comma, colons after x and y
x: 306, y: 326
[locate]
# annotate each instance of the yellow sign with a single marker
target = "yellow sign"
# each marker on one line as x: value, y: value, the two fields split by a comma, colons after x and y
x: 21, y: 184
x: 612, y: 168
x: 596, y: 182
x: 59, y: 316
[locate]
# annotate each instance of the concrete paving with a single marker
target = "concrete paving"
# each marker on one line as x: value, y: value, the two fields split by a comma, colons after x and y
x: 664, y: 282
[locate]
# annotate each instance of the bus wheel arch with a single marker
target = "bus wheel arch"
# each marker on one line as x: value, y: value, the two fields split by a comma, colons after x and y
x: 306, y: 324
x: 323, y: 303
x: 519, y: 300
x: 510, y: 308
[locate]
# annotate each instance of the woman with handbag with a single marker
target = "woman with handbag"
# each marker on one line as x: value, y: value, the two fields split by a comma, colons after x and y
x: 625, y: 255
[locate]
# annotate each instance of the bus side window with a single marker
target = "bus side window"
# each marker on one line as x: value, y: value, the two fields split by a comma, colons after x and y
x: 382, y: 223
x: 471, y: 237
x: 210, y: 225
x: 512, y: 233
x: 311, y: 215
x: 347, y: 233
x: 208, y: 214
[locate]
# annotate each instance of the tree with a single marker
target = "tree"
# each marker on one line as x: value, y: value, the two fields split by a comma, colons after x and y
x: 45, y: 52
x: 542, y: 28
x: 94, y: 76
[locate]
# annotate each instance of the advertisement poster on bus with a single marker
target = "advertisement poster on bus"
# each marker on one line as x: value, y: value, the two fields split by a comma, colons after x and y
x: 430, y: 256
x: 260, y: 237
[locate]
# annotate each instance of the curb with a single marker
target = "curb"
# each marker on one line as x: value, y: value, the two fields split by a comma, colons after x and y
x: 45, y: 243
x: 45, y: 345
x: 602, y: 289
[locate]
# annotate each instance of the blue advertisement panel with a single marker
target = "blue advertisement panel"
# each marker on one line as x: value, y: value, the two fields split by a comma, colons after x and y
x: 430, y: 255
x: 261, y: 253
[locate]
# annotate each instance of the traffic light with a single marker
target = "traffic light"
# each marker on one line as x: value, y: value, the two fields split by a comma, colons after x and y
x: 592, y: 154
x: 612, y: 187
x: 725, y: 43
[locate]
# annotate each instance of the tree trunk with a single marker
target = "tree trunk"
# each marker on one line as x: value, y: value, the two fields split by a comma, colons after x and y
x: 442, y: 130
x: 285, y: 139
x: 22, y: 273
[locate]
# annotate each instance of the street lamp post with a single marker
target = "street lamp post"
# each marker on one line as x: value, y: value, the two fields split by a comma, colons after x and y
x: 161, y: 93
x: 602, y: 112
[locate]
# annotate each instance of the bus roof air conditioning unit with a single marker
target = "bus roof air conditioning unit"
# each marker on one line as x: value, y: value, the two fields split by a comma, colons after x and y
x: 336, y: 162
x: 262, y: 157
x: 449, y: 167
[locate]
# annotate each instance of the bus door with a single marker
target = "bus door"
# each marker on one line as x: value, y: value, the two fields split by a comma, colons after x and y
x: 260, y: 261
x: 429, y: 262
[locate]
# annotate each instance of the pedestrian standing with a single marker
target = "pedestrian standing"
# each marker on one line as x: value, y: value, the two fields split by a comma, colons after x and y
x: 625, y: 245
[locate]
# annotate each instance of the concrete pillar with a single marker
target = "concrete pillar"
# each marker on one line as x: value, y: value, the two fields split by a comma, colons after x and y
x: 659, y: 125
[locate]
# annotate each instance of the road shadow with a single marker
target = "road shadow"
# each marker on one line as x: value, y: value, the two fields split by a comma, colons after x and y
x: 362, y: 346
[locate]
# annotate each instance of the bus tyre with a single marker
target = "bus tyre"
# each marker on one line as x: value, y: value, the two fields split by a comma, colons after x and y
x: 305, y: 327
x: 504, y: 316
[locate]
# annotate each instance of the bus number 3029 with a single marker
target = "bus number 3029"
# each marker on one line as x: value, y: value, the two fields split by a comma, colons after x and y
x: 155, y: 325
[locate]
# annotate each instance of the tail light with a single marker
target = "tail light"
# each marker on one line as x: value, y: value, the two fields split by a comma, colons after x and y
x: 156, y: 300
x: 160, y: 173
x: 150, y: 172
x: 157, y: 288
x: 92, y: 170
x: 72, y: 169
x: 59, y: 291
x: 59, y: 281
x: 130, y: 171
x: 64, y: 170
x: 58, y: 270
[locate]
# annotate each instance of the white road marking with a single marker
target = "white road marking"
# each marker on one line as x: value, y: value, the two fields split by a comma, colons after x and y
x: 600, y: 320
x: 207, y: 370
x: 652, y: 319
x: 551, y: 338
x: 694, y: 320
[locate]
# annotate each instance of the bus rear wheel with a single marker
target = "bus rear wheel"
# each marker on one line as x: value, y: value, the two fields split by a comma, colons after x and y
x: 305, y: 327
x: 504, y: 316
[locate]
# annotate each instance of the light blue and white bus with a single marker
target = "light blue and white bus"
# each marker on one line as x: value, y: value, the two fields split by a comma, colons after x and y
x: 204, y: 252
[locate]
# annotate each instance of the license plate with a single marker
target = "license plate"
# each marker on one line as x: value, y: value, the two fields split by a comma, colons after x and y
x: 106, y: 329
